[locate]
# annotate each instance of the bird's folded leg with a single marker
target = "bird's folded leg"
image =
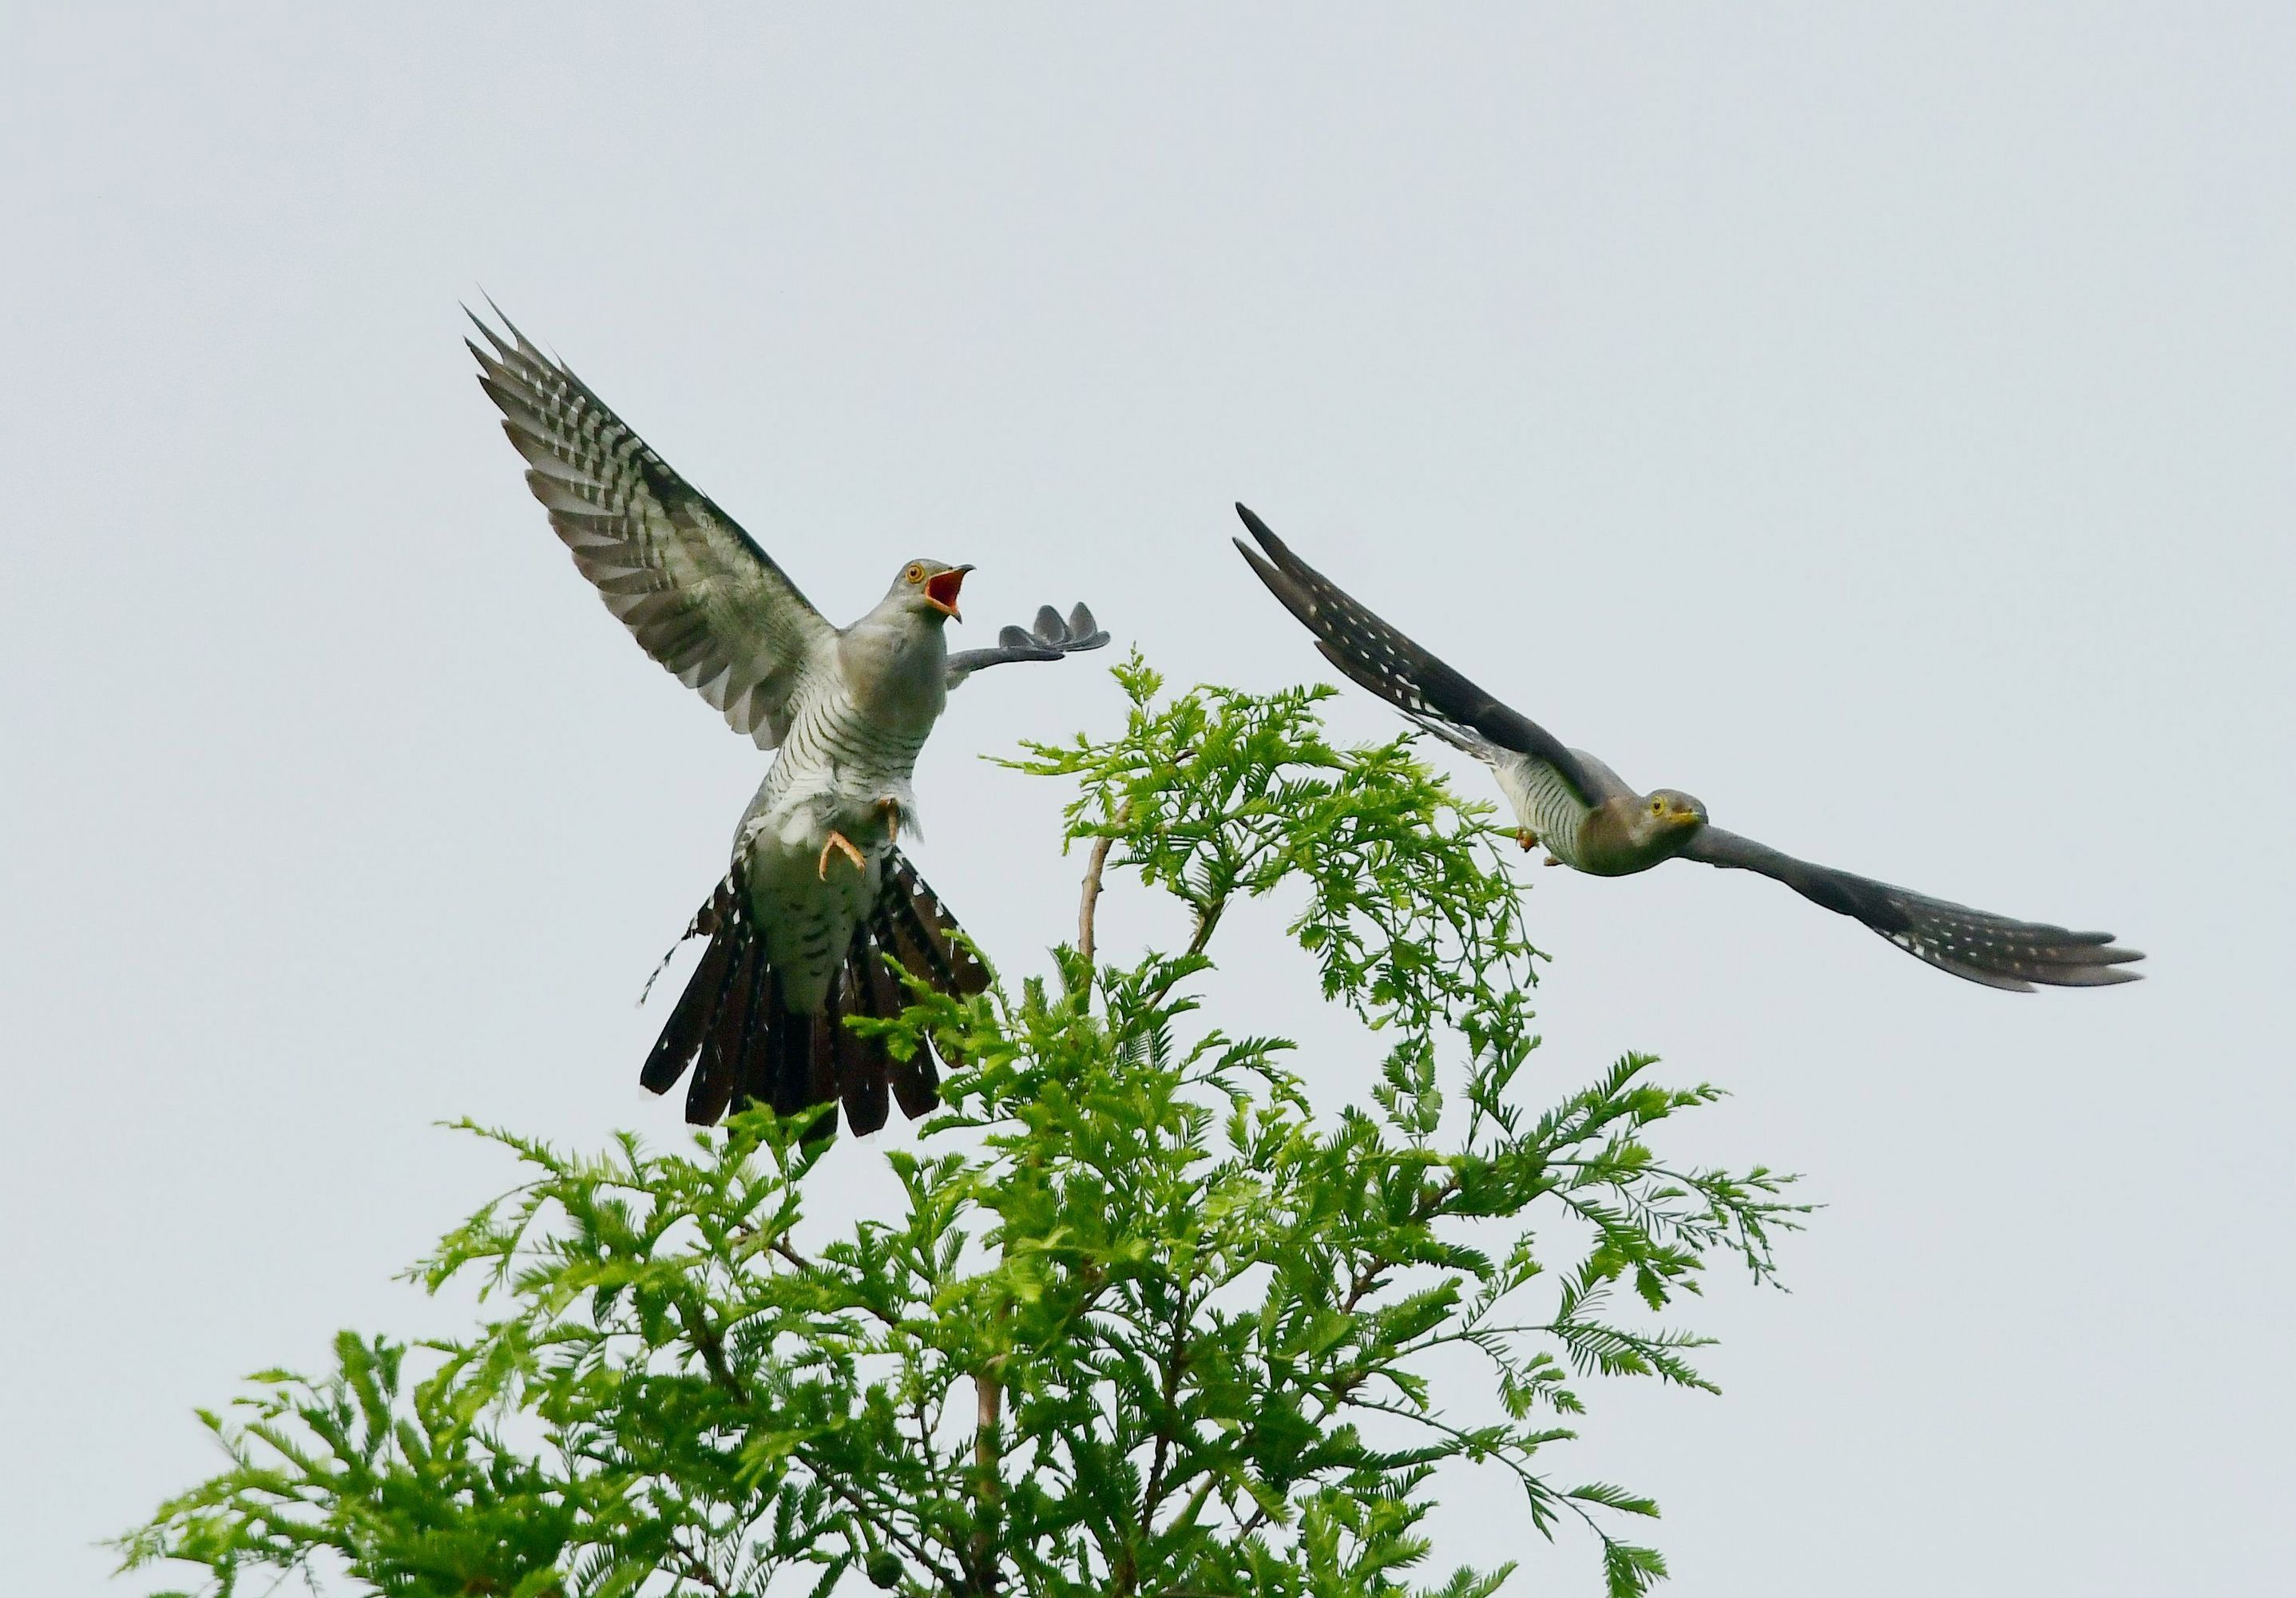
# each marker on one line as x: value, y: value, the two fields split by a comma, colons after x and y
x: 1527, y: 837
x: 891, y: 809
x: 1550, y: 860
x: 839, y: 841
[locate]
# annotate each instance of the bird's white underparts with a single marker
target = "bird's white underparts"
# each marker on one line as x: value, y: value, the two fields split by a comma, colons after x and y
x: 818, y: 893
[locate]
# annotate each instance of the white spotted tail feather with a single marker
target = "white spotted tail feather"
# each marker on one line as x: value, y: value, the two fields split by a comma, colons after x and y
x: 745, y: 1045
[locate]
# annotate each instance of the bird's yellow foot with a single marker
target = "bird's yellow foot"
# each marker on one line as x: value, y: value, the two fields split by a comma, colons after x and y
x: 1527, y: 837
x: 1550, y: 860
x: 891, y: 809
x: 839, y: 841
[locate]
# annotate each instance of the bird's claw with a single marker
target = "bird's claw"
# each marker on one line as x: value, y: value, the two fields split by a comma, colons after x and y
x: 839, y: 841
x: 1550, y: 860
x: 891, y: 809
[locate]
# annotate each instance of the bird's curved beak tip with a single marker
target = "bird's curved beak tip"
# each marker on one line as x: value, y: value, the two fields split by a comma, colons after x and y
x: 940, y: 591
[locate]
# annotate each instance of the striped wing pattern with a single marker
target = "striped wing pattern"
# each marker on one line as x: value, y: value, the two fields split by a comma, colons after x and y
x: 698, y: 594
x: 1973, y: 944
x: 1405, y: 676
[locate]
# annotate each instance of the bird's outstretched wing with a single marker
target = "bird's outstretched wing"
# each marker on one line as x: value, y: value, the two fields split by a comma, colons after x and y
x: 696, y: 593
x: 1973, y: 943
x: 1049, y: 639
x: 1403, y: 673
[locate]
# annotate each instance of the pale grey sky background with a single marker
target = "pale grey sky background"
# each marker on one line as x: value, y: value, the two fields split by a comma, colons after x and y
x: 1874, y: 419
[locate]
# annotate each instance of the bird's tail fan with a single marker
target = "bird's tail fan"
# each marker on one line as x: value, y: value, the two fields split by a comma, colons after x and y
x: 731, y: 1027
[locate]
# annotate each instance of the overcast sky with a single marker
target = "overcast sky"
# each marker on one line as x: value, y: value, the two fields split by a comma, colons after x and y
x: 1876, y: 420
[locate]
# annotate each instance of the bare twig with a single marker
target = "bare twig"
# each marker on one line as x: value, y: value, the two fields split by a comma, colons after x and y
x: 1094, y: 867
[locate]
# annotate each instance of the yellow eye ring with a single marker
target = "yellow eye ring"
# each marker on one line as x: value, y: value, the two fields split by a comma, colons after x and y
x: 915, y: 574
x: 1658, y: 806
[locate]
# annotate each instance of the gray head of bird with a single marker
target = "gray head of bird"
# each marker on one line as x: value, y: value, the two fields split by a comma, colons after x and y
x: 928, y: 587
x: 1667, y: 818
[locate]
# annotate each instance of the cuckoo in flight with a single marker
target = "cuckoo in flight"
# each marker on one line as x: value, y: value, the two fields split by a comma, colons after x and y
x: 1591, y: 820
x: 817, y: 892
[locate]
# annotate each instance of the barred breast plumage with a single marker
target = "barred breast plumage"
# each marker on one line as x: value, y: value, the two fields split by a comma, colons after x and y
x: 840, y: 772
x: 1543, y: 803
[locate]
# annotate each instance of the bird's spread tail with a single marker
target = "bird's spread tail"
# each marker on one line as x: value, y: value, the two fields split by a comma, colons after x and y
x: 745, y: 1045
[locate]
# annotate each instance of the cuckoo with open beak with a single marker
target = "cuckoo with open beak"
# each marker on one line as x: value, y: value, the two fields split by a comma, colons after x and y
x: 1589, y: 819
x: 817, y: 891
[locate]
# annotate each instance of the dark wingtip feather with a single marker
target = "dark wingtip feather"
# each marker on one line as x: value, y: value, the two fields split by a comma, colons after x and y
x: 2093, y: 976
x: 1289, y: 592
x: 524, y: 345
x: 503, y: 352
x: 1258, y: 561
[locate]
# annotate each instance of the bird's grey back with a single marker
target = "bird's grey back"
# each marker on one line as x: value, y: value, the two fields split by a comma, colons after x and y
x: 1611, y: 784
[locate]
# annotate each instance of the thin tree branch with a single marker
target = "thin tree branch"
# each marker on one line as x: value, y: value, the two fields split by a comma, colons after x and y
x: 1090, y: 906
x: 697, y: 1569
x: 1152, y: 1499
x: 882, y: 1516
x: 1206, y: 924
x: 711, y: 1347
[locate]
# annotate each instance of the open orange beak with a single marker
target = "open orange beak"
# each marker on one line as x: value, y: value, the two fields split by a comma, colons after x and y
x: 940, y: 591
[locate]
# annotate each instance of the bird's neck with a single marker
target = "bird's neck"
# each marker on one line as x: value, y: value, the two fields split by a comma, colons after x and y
x: 897, y: 670
x: 1618, y: 840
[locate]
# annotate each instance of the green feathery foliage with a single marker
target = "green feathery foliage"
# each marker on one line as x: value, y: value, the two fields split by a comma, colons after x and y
x: 1145, y: 1323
